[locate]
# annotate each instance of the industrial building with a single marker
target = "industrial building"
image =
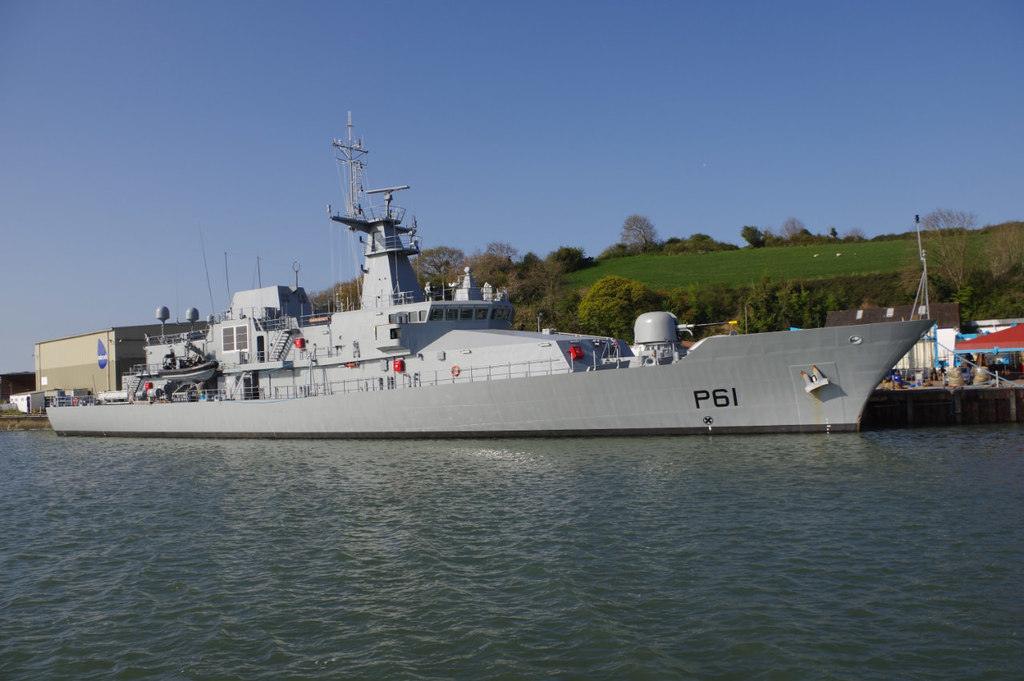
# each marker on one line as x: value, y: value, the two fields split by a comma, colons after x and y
x: 96, y: 360
x: 932, y: 351
x: 16, y: 382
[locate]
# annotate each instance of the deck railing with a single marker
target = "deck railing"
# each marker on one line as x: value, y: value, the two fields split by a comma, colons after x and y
x: 386, y: 381
x: 170, y: 338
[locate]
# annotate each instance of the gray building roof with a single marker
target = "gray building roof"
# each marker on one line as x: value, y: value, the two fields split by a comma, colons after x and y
x: 946, y: 314
x: 134, y: 331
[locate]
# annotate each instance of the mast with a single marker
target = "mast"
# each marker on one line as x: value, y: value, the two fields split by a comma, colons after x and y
x: 351, y: 154
x: 388, y: 278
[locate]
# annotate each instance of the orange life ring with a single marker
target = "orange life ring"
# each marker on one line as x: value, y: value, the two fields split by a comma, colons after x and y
x: 456, y: 371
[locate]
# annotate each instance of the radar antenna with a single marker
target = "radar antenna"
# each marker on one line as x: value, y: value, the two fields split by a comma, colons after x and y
x: 387, y: 192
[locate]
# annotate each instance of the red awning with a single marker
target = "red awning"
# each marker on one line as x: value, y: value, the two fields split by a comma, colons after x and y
x: 1007, y: 340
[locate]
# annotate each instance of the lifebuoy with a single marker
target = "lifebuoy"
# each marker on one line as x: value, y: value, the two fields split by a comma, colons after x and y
x: 456, y: 371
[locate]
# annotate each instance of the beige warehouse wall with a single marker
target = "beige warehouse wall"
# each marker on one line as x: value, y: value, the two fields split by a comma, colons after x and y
x: 71, y: 363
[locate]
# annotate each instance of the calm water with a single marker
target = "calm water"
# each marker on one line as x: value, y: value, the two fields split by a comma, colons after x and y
x: 884, y: 555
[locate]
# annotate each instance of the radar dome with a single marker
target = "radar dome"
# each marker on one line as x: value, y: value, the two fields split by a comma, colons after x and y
x: 192, y: 315
x: 655, y: 327
x: 162, y: 313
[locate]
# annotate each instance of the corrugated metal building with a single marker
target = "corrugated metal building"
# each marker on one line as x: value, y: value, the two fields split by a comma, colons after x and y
x: 94, y: 361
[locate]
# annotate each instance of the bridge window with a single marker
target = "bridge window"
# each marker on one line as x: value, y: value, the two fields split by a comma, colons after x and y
x: 235, y: 338
x: 466, y: 313
x: 481, y: 313
x: 436, y: 314
x: 451, y: 314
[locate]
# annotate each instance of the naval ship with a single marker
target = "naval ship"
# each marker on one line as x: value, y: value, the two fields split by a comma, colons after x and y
x: 415, y: 361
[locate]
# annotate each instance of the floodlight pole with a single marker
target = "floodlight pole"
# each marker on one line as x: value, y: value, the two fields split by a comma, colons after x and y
x: 922, y: 286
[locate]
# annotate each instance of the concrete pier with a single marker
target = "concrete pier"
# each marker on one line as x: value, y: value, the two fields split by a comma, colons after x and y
x: 943, y: 407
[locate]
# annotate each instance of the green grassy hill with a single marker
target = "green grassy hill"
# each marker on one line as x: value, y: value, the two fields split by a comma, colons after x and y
x: 749, y: 265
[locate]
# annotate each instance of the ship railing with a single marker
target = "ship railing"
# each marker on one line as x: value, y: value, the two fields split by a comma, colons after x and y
x: 393, y: 381
x: 143, y: 370
x: 388, y: 381
x: 493, y: 372
x: 449, y: 293
x: 393, y: 243
x: 72, y: 400
x: 219, y: 317
x: 219, y: 395
x: 171, y: 338
x: 396, y: 213
x: 404, y: 297
x: 272, y: 323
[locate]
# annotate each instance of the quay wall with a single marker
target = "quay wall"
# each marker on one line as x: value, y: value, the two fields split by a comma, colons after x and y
x: 943, y: 407
x: 9, y: 423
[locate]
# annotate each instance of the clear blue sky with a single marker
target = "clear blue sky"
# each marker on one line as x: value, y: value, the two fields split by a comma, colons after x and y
x: 124, y: 126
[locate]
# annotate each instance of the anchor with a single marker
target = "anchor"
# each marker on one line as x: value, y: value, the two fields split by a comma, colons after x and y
x: 814, y: 380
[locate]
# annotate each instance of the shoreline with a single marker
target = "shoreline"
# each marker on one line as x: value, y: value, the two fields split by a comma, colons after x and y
x: 23, y: 422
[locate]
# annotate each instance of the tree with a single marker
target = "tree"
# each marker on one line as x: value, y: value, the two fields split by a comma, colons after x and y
x: 793, y: 230
x: 495, y: 265
x: 753, y: 236
x: 638, y: 234
x: 619, y: 250
x: 948, y: 218
x: 854, y: 234
x: 833, y: 233
x: 612, y: 304
x: 502, y: 249
x: 948, y: 245
x: 344, y: 295
x: 440, y: 265
x: 696, y: 243
x: 1006, y: 249
x: 570, y: 258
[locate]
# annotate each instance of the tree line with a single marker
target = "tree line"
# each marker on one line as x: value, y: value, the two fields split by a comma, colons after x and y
x: 986, y: 276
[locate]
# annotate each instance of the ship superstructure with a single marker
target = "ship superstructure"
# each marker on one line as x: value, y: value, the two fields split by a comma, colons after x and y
x: 414, y: 360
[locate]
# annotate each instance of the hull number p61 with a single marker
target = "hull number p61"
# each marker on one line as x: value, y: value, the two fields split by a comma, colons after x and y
x: 719, y: 397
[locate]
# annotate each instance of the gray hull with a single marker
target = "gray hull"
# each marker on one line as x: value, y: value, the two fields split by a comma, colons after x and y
x: 747, y: 383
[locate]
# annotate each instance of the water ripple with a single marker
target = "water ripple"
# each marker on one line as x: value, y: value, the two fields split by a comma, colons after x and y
x: 895, y: 554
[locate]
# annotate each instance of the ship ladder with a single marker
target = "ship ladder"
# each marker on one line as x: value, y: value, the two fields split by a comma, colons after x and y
x: 131, y: 386
x: 281, y: 345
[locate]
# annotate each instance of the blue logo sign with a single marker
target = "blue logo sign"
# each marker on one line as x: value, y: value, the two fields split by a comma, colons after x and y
x: 101, y: 354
